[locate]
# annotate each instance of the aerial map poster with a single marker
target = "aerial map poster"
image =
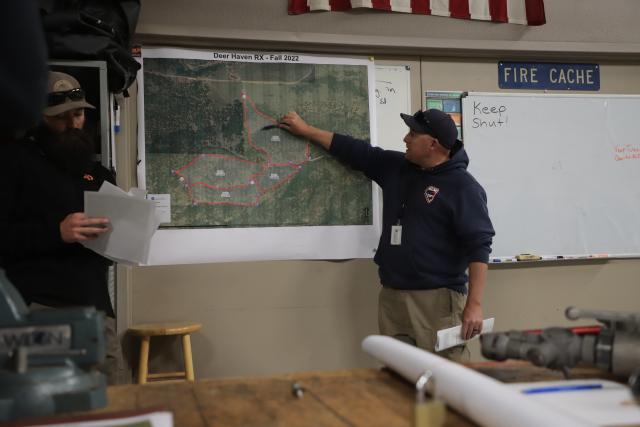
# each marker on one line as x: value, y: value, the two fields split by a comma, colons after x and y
x: 232, y: 186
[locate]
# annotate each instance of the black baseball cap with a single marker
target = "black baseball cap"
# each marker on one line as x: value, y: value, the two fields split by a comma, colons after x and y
x: 435, y: 123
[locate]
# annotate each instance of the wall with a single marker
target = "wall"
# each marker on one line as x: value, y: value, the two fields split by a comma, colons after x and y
x: 580, y: 26
x: 266, y: 317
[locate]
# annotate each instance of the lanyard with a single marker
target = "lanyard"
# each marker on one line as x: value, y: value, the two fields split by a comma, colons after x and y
x: 404, y: 193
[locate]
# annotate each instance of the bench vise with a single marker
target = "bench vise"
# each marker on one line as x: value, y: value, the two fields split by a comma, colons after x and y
x: 48, y: 358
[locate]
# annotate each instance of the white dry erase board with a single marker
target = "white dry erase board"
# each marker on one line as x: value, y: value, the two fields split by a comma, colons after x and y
x: 562, y: 172
x: 393, y: 96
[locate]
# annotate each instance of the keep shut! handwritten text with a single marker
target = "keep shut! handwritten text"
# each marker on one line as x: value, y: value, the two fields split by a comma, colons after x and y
x: 489, y: 116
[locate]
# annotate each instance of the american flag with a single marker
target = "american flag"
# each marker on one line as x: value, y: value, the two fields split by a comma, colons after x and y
x: 524, y: 12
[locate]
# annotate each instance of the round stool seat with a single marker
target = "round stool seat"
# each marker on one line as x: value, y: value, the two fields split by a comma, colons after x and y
x: 165, y: 328
x: 148, y: 330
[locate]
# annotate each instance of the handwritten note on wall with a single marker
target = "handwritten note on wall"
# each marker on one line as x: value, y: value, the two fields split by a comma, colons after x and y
x: 393, y: 96
x: 627, y: 152
x: 488, y: 115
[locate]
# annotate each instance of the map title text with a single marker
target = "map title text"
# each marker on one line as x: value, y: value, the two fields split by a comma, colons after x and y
x: 256, y: 57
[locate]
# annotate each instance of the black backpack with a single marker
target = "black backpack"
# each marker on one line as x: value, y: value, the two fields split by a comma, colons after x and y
x: 94, y: 30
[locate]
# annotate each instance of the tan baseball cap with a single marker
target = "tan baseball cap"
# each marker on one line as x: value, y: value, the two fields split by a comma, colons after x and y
x: 65, y: 94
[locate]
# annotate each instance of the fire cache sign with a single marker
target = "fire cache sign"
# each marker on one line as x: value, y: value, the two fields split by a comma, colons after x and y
x: 548, y: 75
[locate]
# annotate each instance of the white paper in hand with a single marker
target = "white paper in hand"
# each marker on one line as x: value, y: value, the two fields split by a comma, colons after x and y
x: 450, y: 337
x: 132, y: 223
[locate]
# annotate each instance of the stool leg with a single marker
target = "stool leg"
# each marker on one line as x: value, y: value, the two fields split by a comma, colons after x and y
x: 188, y: 360
x: 143, y: 364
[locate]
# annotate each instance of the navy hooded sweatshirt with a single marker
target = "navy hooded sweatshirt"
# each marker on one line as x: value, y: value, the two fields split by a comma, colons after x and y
x: 445, y: 220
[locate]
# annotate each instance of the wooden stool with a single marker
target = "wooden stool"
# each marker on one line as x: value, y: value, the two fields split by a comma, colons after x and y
x: 146, y: 331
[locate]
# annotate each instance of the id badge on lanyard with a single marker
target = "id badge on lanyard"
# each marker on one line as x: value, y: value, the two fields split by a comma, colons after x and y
x: 396, y: 234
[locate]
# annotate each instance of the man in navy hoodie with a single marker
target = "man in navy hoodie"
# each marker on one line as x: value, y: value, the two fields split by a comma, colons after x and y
x: 435, y: 226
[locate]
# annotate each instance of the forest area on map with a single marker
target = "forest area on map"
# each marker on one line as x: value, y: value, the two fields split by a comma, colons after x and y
x: 206, y: 147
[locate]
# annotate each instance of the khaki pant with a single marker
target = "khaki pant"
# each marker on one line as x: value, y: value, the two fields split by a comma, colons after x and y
x: 114, y: 366
x: 415, y: 317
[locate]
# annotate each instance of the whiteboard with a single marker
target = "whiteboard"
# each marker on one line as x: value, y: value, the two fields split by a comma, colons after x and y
x: 562, y: 172
x: 393, y: 96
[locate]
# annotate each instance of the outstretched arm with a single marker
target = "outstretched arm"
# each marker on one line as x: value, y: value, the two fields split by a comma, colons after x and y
x: 293, y: 123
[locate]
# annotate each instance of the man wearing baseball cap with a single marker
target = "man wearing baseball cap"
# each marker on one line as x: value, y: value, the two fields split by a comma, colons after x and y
x: 65, y: 98
x: 436, y: 226
x: 43, y: 178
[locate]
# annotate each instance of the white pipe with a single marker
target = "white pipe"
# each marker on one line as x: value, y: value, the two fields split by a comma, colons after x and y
x: 481, y: 398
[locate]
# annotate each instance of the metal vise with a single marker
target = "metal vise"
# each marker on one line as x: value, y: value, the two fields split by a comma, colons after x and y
x: 47, y: 358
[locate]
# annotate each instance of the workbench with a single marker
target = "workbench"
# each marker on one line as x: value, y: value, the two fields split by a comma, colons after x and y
x: 359, y: 397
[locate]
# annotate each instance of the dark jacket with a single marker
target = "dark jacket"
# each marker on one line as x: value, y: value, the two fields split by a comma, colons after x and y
x: 36, y: 196
x: 445, y: 221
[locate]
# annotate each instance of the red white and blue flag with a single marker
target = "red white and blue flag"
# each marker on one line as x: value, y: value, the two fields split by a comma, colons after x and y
x: 524, y: 12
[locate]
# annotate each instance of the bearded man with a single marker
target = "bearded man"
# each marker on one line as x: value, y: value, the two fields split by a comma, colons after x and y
x: 43, y: 178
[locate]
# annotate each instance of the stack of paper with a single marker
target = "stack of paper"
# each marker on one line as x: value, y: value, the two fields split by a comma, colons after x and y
x: 132, y: 222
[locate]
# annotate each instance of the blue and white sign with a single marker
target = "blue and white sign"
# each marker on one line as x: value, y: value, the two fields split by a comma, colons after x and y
x: 548, y: 75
